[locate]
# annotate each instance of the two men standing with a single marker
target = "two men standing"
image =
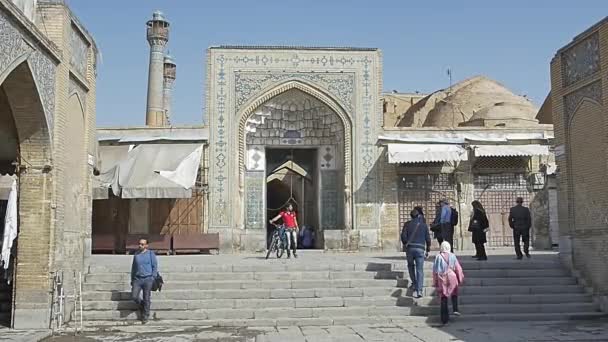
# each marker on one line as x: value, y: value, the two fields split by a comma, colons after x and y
x: 520, y: 221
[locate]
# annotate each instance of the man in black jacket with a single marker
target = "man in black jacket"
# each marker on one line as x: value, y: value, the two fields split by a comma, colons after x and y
x: 520, y: 221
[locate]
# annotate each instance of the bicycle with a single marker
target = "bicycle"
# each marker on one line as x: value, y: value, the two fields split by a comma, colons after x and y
x: 277, y: 242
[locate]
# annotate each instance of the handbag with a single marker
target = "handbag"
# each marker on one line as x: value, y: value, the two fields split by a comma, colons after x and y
x: 158, y: 282
x: 436, y: 228
x: 474, y: 226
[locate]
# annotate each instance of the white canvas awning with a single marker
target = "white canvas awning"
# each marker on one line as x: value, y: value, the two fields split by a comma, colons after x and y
x: 6, y: 182
x: 510, y: 150
x: 154, y: 171
x: 420, y: 153
x: 109, y: 159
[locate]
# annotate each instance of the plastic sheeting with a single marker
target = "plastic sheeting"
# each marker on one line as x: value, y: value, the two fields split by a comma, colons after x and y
x: 154, y: 171
x: 420, y: 153
x: 510, y: 150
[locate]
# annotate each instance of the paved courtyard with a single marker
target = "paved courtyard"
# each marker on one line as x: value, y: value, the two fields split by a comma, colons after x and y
x: 417, y: 332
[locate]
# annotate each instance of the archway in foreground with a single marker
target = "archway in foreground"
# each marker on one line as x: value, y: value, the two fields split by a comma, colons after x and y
x: 26, y: 155
x: 298, y: 127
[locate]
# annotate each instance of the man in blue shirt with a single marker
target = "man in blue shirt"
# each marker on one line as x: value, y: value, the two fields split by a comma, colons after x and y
x: 444, y: 220
x: 143, y: 271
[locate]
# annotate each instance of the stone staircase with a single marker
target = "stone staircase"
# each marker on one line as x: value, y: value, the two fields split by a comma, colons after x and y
x: 331, y: 290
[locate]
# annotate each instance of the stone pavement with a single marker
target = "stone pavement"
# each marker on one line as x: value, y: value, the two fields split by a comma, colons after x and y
x: 581, y: 331
x: 11, y: 335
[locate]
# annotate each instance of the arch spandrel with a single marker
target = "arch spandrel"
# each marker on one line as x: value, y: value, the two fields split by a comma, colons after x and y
x: 343, y: 138
x: 306, y: 88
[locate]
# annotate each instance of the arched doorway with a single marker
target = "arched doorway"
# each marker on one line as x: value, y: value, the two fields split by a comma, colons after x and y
x: 25, y: 153
x: 297, y: 128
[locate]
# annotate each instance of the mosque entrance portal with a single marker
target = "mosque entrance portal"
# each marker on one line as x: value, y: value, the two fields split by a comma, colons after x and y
x: 292, y: 178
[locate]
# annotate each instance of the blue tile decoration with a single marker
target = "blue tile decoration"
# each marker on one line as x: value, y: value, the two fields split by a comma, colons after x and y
x: 329, y: 200
x: 249, y: 84
x: 572, y: 100
x: 254, y: 199
x: 581, y: 60
x: 241, y: 79
x: 14, y: 47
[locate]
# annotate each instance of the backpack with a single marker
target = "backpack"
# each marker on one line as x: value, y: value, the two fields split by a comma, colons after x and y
x: 454, y: 217
x: 403, y: 232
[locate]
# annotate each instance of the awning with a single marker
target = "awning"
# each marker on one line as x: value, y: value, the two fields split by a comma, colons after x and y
x: 153, y: 171
x: 420, y: 153
x: 6, y: 181
x: 109, y: 159
x: 510, y: 150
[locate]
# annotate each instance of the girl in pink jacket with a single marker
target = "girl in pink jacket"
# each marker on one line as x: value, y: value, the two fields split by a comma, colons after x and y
x: 447, y: 276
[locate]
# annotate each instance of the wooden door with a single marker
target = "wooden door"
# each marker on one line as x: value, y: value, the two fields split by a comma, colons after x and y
x: 177, y: 216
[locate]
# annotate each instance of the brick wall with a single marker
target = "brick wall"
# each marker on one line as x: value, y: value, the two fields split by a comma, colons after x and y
x: 579, y: 89
x: 55, y: 186
x: 389, y: 208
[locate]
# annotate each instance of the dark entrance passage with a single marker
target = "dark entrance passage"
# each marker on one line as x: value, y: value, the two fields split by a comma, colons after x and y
x: 291, y: 177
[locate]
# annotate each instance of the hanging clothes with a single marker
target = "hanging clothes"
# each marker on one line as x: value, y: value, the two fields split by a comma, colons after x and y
x: 10, y: 226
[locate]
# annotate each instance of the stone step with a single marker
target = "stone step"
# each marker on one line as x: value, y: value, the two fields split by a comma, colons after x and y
x: 249, y: 293
x: 281, y: 322
x: 168, y: 304
x: 244, y: 314
x: 353, y: 320
x: 269, y: 284
x: 513, y: 299
x: 169, y: 294
x: 336, y: 283
x: 492, y: 308
x: 301, y: 266
x: 321, y: 275
x: 127, y: 304
x: 513, y: 290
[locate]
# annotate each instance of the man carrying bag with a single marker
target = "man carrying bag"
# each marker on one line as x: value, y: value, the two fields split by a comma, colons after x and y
x: 144, y: 278
x: 415, y: 237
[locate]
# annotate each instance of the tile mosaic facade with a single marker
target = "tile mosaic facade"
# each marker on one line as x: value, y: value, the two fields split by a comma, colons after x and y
x: 17, y: 49
x: 330, y: 203
x: 340, y: 85
x: 581, y: 60
x: 254, y: 199
x: 80, y: 52
x: 241, y: 79
x: 572, y: 100
x: 327, y: 158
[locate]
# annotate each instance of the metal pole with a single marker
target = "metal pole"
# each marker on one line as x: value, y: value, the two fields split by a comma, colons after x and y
x: 61, y: 296
x: 80, y: 298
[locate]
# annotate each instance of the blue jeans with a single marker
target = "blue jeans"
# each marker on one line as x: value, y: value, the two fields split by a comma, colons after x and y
x: 415, y: 266
x: 145, y: 285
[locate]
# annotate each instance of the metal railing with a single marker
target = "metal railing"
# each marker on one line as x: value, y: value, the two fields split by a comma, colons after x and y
x: 61, y: 299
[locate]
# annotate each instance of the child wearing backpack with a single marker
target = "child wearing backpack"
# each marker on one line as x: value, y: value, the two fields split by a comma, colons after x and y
x: 447, y: 277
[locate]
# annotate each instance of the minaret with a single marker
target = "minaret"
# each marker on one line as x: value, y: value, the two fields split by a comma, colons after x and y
x: 168, y: 78
x: 158, y: 36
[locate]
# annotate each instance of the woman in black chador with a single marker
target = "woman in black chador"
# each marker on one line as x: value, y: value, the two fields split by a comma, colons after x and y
x: 479, y: 226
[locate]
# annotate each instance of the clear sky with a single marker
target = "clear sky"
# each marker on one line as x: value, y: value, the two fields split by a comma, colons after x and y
x: 510, y: 41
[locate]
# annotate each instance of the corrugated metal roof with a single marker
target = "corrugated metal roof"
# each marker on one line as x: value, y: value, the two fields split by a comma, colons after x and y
x: 421, y: 153
x: 456, y: 137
